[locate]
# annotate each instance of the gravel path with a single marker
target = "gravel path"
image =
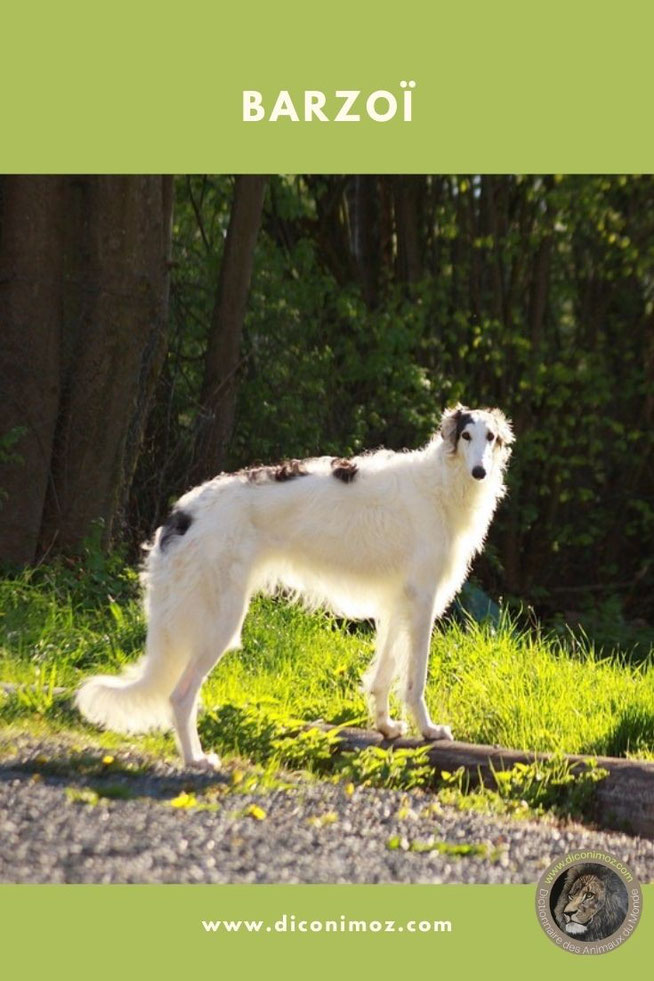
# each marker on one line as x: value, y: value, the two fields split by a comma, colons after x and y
x: 55, y: 828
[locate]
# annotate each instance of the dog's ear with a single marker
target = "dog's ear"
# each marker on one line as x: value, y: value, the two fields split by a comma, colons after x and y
x: 504, y: 427
x: 450, y: 427
x: 504, y: 430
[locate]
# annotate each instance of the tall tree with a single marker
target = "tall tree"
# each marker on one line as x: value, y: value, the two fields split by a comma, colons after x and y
x: 31, y: 215
x: 219, y: 386
x: 365, y: 234
x: 83, y: 299
x: 407, y: 190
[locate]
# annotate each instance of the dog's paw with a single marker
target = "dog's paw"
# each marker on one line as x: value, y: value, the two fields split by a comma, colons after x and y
x: 437, y: 732
x: 206, y: 764
x: 391, y: 729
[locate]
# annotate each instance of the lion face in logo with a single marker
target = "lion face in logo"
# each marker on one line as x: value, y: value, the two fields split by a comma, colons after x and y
x: 592, y: 904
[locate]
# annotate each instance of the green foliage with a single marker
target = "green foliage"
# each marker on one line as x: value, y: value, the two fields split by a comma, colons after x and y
x: 548, y: 785
x: 499, y: 684
x: 93, y: 795
x: 308, y: 749
x: 39, y: 698
x: 534, y: 293
x: 248, y: 730
x: 493, y: 683
x: 553, y: 785
x: 8, y: 453
x: 61, y: 618
x: 7, y: 443
x: 82, y: 795
x: 266, y: 735
x: 392, y: 769
x: 633, y: 734
x: 471, y: 850
x: 604, y: 620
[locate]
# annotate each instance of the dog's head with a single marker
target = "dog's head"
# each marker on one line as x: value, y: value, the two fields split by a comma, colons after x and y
x: 481, y: 438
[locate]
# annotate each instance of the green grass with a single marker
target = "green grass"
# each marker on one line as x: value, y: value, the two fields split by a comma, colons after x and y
x: 473, y: 850
x: 516, y: 689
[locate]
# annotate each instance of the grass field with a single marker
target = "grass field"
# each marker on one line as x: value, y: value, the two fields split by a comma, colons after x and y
x: 492, y: 685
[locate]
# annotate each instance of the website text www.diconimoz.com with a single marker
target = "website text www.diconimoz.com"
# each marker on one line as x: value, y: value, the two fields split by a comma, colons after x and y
x: 588, y: 857
x: 292, y: 924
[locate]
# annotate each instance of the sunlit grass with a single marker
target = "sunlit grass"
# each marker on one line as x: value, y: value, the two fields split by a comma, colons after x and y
x: 492, y: 685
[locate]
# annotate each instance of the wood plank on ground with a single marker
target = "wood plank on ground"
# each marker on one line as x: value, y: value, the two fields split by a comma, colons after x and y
x: 624, y: 800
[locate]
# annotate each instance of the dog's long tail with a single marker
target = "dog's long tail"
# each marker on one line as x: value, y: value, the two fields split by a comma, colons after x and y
x: 139, y: 699
x: 136, y: 701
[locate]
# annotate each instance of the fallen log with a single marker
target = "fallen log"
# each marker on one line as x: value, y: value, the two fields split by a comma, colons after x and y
x: 622, y: 801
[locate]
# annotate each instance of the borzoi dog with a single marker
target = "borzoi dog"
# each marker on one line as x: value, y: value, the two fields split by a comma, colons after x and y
x: 383, y: 536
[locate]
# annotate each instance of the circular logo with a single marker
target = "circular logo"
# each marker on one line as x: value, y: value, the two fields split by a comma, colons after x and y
x: 588, y: 902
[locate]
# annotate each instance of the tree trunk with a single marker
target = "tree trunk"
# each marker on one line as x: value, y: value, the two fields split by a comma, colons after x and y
x: 364, y: 230
x: 332, y: 234
x: 153, y: 355
x: 84, y: 304
x: 30, y: 310
x: 407, y: 191
x: 219, y: 388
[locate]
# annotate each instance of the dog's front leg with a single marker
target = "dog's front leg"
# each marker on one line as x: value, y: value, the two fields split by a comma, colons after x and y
x: 421, y: 606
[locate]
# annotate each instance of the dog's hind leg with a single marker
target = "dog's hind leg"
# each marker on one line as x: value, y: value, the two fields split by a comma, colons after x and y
x: 207, y: 653
x: 379, y: 679
x: 419, y: 628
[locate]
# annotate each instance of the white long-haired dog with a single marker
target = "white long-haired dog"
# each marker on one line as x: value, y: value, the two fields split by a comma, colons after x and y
x: 386, y: 536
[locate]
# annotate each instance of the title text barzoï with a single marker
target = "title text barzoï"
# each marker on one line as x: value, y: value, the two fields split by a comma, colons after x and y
x: 345, y: 106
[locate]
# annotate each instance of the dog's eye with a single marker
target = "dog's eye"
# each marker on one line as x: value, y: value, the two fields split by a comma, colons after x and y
x: 490, y: 437
x: 466, y: 436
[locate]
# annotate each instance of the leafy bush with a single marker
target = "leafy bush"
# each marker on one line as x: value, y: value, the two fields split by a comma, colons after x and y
x: 553, y: 785
x: 392, y: 769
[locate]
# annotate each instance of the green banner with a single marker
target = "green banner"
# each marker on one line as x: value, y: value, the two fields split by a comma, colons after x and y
x: 172, y: 931
x: 499, y: 87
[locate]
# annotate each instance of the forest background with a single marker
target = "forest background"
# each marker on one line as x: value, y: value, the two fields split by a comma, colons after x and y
x: 159, y: 330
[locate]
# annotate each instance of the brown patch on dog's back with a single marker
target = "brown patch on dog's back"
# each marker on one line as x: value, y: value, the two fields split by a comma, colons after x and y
x: 344, y: 470
x: 280, y: 472
x: 289, y: 469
